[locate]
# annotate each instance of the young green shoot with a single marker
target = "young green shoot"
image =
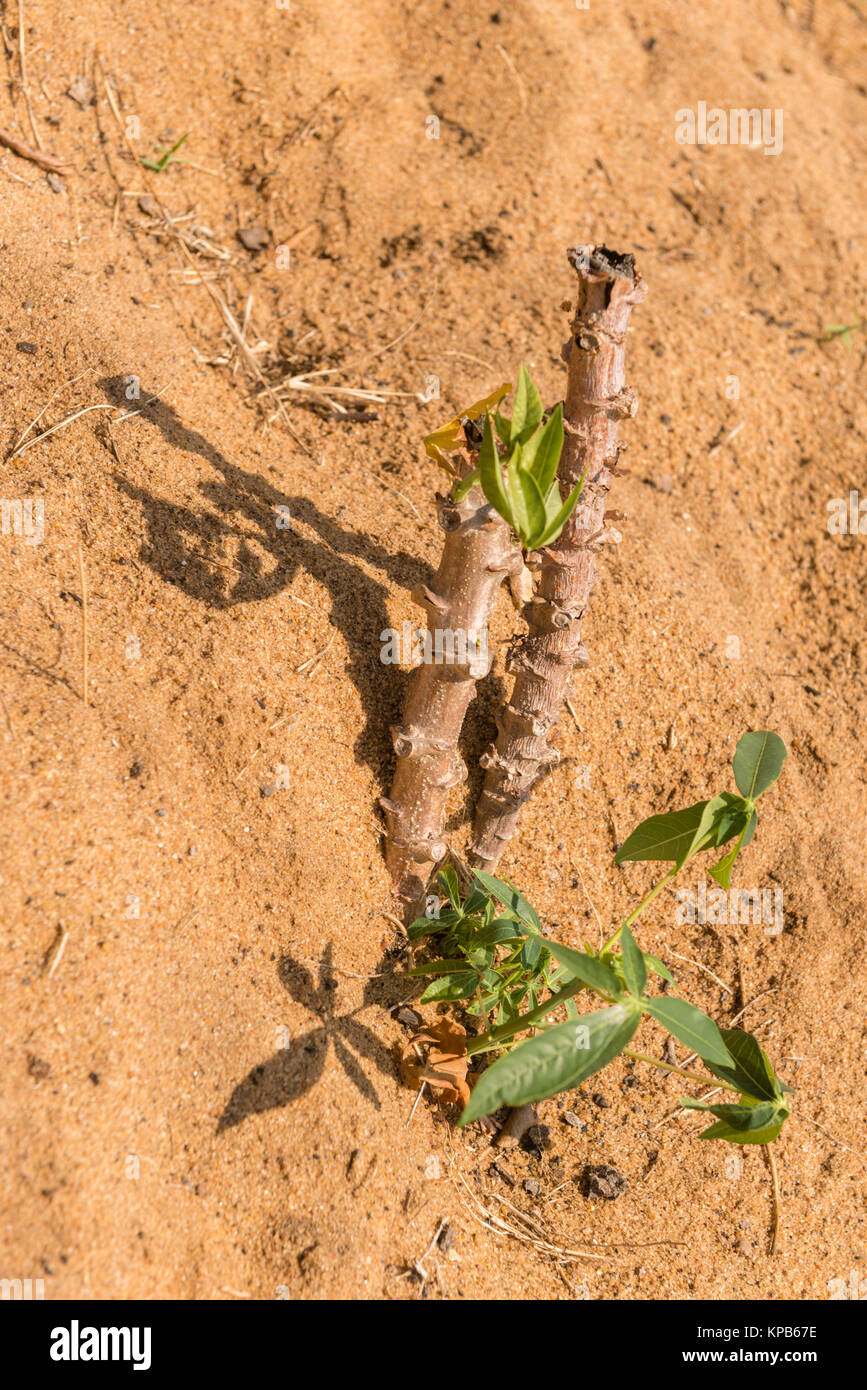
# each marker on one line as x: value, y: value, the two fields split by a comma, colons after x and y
x: 517, y: 467
x: 165, y: 158
x: 497, y: 963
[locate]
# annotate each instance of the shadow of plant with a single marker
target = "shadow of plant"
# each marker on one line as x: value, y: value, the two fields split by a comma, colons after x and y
x: 229, y: 549
x: 293, y: 1070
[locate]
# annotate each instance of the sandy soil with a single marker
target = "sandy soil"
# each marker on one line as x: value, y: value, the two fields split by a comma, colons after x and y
x: 191, y: 862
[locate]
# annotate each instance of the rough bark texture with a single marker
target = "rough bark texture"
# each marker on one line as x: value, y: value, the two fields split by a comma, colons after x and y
x: 478, y: 554
x: 596, y: 400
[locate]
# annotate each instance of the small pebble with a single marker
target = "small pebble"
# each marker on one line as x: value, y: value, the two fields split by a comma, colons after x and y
x: 446, y: 1238
x: 601, y: 1180
x: 253, y: 238
x: 80, y: 91
x: 409, y: 1018
x: 536, y: 1138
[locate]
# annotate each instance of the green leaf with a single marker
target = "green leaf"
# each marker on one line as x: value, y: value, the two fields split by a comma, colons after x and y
x: 533, y: 502
x: 749, y: 1068
x: 634, y: 969
x: 708, y: 829
x: 732, y: 815
x: 451, y: 987
x: 504, y: 427
x: 510, y: 897
x: 527, y: 410
x: 426, y: 926
x: 438, y: 967
x: 655, y: 965
x: 722, y: 1130
x: 491, y: 474
x: 448, y: 881
x: 423, y: 926
x: 668, y: 836
x: 502, y: 930
x: 691, y: 1027
x: 557, y: 518
x: 518, y: 503
x: 165, y: 158
x: 480, y: 958
x: 475, y: 902
x: 742, y: 1124
x: 530, y: 952
x: 758, y: 762
x: 722, y: 870
x: 541, y: 454
x: 555, y: 1060
x: 587, y: 968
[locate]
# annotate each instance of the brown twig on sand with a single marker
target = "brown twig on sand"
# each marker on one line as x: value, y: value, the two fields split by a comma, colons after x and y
x: 9, y: 724
x: 517, y: 1123
x: 24, y: 85
x: 478, y: 553
x: 597, y: 398
x: 775, y: 1198
x: 82, y: 579
x: 25, y: 151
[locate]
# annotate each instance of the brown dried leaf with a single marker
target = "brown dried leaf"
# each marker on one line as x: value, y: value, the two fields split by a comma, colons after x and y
x: 445, y: 1066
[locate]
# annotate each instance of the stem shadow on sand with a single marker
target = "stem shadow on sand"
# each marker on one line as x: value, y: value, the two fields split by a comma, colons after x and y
x: 241, y: 508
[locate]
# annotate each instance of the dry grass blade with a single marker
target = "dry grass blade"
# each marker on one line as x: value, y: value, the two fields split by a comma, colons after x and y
x: 82, y: 579
x: 312, y: 662
x: 529, y: 1236
x: 52, y: 397
x: 61, y: 424
x: 24, y: 84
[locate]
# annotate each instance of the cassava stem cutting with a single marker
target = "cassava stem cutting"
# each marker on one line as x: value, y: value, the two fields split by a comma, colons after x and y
x: 597, y: 398
x: 478, y: 553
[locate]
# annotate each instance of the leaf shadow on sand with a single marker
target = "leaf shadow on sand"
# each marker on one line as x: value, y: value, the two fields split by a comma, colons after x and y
x: 295, y: 1069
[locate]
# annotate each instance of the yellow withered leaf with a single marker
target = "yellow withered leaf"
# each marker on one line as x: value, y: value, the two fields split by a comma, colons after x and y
x: 449, y: 437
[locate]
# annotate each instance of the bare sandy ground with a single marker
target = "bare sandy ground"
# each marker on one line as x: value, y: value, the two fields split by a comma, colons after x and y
x: 199, y: 1091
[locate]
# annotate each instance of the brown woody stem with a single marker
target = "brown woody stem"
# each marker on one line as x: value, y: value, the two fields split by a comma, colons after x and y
x: 597, y: 398
x: 478, y: 553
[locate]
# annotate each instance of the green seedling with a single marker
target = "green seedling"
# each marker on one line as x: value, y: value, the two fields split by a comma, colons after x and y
x: 517, y: 468
x: 165, y: 158
x: 844, y: 331
x: 517, y: 462
x: 513, y: 979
